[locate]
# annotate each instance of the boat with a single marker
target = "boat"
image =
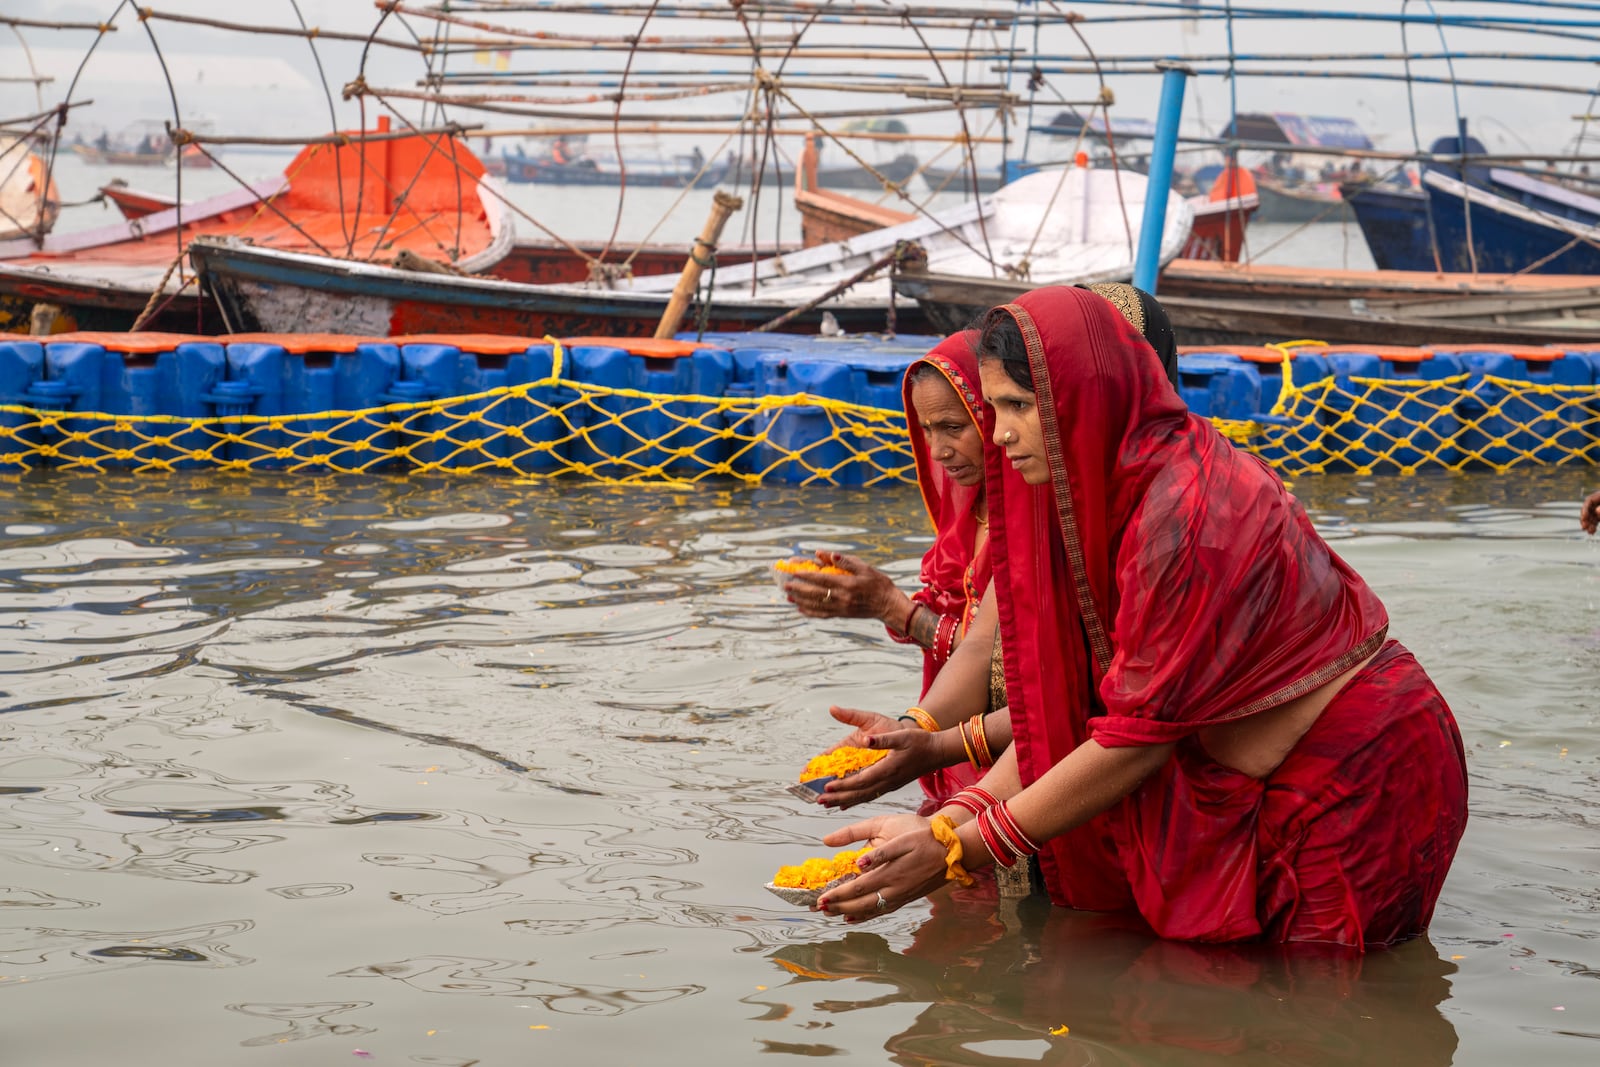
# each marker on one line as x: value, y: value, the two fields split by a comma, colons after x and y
x: 1210, y: 278
x: 1504, y: 235
x: 950, y: 302
x: 827, y: 216
x: 144, y: 156
x: 1520, y: 222
x: 1291, y: 200
x: 29, y: 199
x: 1065, y: 226
x: 1221, y: 215
x: 1289, y: 191
x: 134, y: 203
x: 417, y: 198
x: 674, y: 172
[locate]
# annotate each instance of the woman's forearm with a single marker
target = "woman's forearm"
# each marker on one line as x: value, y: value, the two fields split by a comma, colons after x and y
x: 1087, y: 782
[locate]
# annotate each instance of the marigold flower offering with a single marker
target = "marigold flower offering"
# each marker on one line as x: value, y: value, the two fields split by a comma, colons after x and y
x: 840, y: 762
x: 806, y: 566
x: 817, y: 873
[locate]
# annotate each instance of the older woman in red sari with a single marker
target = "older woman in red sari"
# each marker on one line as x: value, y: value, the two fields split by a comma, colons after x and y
x: 1209, y: 723
x: 942, y: 414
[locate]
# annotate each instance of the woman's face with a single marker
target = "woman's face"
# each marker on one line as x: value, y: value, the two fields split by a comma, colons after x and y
x: 1016, y: 422
x: 953, y: 441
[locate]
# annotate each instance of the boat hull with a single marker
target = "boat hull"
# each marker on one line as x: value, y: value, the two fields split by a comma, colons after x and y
x: 950, y: 303
x: 258, y: 290
x: 1304, y: 204
x: 1394, y: 222
x: 1505, y: 237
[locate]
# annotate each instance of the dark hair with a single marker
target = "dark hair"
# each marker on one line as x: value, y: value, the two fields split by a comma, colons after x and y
x: 1000, y: 338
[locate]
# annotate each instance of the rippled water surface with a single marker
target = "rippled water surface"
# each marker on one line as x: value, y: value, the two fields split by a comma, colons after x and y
x: 458, y: 772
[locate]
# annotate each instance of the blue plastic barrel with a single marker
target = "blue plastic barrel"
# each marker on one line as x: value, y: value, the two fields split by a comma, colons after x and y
x: 21, y: 369
x: 1217, y: 383
x: 320, y: 373
x: 620, y: 434
x: 73, y: 372
x: 1292, y: 442
x: 1502, y: 424
x: 510, y: 432
x: 432, y: 370
x: 868, y: 375
x: 1371, y: 425
x: 1584, y: 435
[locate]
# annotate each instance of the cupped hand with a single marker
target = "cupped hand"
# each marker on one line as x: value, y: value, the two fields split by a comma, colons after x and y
x: 866, y: 723
x: 862, y: 592
x: 912, y: 753
x: 906, y: 863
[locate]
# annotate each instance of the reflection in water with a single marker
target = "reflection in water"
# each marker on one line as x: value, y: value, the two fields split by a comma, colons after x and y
x: 305, y: 1021
x: 1102, y: 990
x: 510, y: 978
x: 520, y: 750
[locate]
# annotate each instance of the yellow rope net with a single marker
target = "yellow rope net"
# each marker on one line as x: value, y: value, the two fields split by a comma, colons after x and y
x: 560, y: 427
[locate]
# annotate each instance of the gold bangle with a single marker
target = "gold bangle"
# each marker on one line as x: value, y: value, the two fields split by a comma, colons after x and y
x: 944, y: 832
x: 923, y: 719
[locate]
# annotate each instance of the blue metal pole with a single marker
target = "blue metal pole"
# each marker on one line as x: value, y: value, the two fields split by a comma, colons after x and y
x: 1163, y: 150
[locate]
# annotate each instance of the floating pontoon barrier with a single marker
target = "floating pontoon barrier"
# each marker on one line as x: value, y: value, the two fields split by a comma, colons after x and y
x: 757, y: 407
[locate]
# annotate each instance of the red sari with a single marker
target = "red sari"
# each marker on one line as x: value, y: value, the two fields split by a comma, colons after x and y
x: 955, y: 572
x: 1165, y: 582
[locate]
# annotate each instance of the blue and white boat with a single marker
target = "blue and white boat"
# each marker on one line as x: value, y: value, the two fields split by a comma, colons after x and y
x: 1517, y: 222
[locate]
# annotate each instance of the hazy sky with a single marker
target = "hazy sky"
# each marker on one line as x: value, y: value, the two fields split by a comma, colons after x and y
x: 270, y: 85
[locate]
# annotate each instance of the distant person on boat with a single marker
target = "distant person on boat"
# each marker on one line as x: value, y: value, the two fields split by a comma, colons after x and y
x: 945, y: 420
x: 559, y: 153
x: 1210, y: 723
x: 697, y: 159
x: 1589, y: 517
x: 103, y: 142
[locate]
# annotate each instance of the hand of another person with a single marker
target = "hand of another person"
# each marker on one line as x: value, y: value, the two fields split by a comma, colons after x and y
x: 912, y: 752
x: 862, y: 592
x: 1589, y: 517
x: 905, y: 864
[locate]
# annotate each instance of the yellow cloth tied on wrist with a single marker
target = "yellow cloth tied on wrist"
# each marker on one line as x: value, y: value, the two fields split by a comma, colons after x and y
x: 944, y: 832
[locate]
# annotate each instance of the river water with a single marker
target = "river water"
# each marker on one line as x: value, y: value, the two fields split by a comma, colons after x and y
x: 482, y: 772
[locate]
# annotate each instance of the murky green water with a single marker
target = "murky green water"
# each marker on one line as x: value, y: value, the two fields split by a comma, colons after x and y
x: 456, y: 772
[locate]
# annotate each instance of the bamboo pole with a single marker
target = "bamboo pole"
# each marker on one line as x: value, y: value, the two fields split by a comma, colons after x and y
x: 313, y: 34
x: 722, y: 206
x: 480, y: 104
x: 38, y: 24
x: 656, y: 129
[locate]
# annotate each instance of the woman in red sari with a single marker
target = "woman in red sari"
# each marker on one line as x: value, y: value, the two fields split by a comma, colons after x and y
x: 1208, y: 721
x: 942, y: 414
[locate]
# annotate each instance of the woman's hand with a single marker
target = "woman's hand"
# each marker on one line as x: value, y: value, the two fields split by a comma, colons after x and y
x: 912, y: 752
x: 862, y: 592
x: 905, y: 864
x: 866, y: 723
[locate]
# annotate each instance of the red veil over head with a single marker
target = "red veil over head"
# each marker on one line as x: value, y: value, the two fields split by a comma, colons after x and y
x: 1163, y: 581
x: 947, y: 587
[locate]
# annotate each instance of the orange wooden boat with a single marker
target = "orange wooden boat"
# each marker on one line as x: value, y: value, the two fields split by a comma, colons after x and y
x: 29, y: 201
x: 419, y: 200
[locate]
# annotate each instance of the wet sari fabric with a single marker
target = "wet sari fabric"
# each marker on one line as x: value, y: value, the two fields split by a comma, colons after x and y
x: 1166, y: 582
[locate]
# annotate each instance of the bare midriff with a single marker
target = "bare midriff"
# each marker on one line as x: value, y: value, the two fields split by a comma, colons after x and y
x: 1257, y: 744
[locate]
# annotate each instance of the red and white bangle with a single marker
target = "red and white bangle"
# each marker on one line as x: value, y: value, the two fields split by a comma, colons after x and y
x: 974, y: 798
x: 1004, y: 839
